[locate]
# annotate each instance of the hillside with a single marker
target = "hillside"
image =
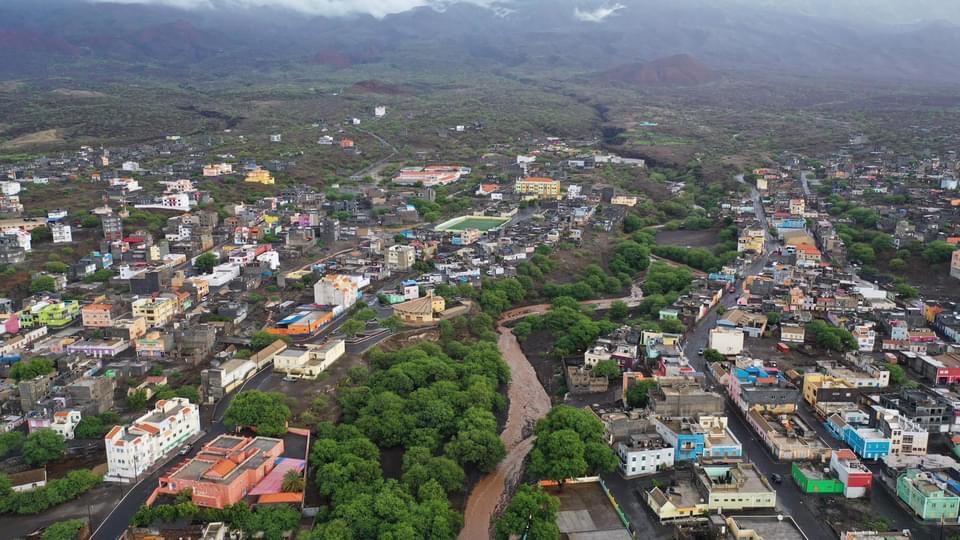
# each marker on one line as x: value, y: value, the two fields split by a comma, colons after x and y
x: 676, y: 70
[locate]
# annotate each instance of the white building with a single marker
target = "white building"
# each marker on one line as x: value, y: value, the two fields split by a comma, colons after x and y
x: 380, y: 111
x: 9, y: 188
x: 133, y: 449
x: 65, y: 422
x: 310, y: 362
x: 907, y: 438
x: 336, y: 290
x: 645, y: 453
x: 866, y: 337
x: 23, y: 237
x: 62, y: 233
x: 130, y: 166
x: 727, y: 342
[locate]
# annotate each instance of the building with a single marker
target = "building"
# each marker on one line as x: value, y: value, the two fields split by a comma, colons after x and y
x: 62, y: 233
x: 788, y: 436
x: 98, y: 315
x: 431, y: 175
x: 856, y: 478
x: 644, y: 453
x: 217, y: 169
x: 99, y: 348
x: 866, y: 442
x: 157, y: 311
x: 726, y: 341
x: 792, y: 333
x: 309, y: 362
x: 336, y: 290
x: 220, y: 381
x: 955, y: 264
x: 302, y: 323
x: 50, y: 313
x: 401, y: 257
x: 685, y: 400
x: 154, y: 344
x: 865, y: 336
x: 27, y: 480
x: 821, y: 390
x: 259, y: 176
x: 421, y: 310
x: 811, y: 478
x: 714, y: 488
x: 133, y: 449
x: 927, y: 494
x: 751, y: 239
x: 226, y: 470
x: 65, y: 422
x: 538, y: 188
x: 907, y: 438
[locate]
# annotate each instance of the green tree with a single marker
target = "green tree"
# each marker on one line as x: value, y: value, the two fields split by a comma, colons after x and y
x: 480, y: 449
x: 393, y: 323
x: 531, y: 511
x: 606, y: 368
x: 774, y: 318
x: 64, y: 530
x: 938, y: 252
x: 558, y: 456
x: 713, y: 355
x: 353, y: 327
x: 898, y: 375
x: 89, y: 221
x: 262, y: 339
x: 293, y: 482
x: 570, y: 443
x: 897, y: 264
x: 10, y: 442
x: 31, y: 369
x: 42, y: 284
x: 42, y: 446
x: 205, y: 262
x: 41, y: 234
x: 907, y: 292
x: 56, y: 267
x: 619, y: 310
x: 862, y: 253
x: 638, y: 394
x: 137, y: 400
x: 266, y: 412
x: 366, y: 314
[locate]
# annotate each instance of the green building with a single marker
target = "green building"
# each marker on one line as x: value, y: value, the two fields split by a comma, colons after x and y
x: 927, y: 496
x: 814, y: 480
x: 50, y: 313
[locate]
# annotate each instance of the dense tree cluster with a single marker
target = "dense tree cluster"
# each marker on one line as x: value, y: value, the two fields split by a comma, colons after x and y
x: 664, y: 279
x: 266, y: 412
x: 31, y: 369
x: 571, y: 327
x: 10, y: 442
x: 570, y: 444
x: 699, y: 258
x: 270, y: 521
x: 531, y: 512
x: 638, y: 394
x: 43, y: 446
x: 96, y: 426
x: 55, y: 492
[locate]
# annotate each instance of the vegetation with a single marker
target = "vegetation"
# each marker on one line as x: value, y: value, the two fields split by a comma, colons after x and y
x: 938, y: 252
x: 31, y: 369
x: 352, y: 327
x: 10, y: 442
x: 55, y: 492
x: 699, y: 258
x: 205, y: 263
x: 262, y: 339
x: 638, y: 395
x: 96, y: 427
x: 137, y: 400
x: 293, y: 482
x: 270, y: 521
x: 41, y: 284
x: 64, y: 530
x: 42, y: 446
x: 265, y: 412
x: 570, y: 444
x: 56, y: 267
x: 606, y: 368
x: 573, y: 329
x: 830, y: 337
x: 531, y: 512
x: 713, y: 355
x: 898, y: 375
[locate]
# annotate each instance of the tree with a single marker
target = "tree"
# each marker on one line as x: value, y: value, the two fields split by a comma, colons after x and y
x: 42, y: 284
x: 774, y: 318
x: 63, y: 530
x: 479, y: 448
x: 830, y: 337
x: 89, y: 221
x: 353, y: 327
x: 606, y: 368
x: 862, y: 253
x: 638, y: 393
x: 41, y: 234
x: 293, y: 482
x: 31, y: 369
x: 205, y: 262
x: 619, y: 310
x: 570, y: 443
x: 938, y: 252
x: 907, y: 292
x: 558, y: 456
x: 262, y: 339
x: 56, y: 267
x: 42, y: 446
x: 264, y: 412
x: 10, y: 442
x: 898, y: 375
x: 713, y: 355
x: 897, y: 264
x: 137, y: 400
x: 366, y: 314
x: 531, y: 511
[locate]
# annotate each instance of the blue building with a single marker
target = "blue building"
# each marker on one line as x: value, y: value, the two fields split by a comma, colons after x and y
x: 866, y: 442
x: 686, y: 438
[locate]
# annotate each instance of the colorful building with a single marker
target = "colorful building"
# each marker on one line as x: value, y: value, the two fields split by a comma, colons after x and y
x: 856, y: 478
x: 715, y: 488
x: 811, y: 479
x: 927, y: 495
x: 301, y: 323
x: 538, y: 188
x: 157, y: 311
x: 50, y: 313
x: 97, y: 315
x: 259, y: 176
x: 230, y: 468
x: 421, y: 310
x: 866, y: 442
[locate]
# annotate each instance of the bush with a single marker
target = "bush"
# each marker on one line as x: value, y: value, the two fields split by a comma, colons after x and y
x: 64, y: 530
x: 42, y: 446
x: 59, y: 491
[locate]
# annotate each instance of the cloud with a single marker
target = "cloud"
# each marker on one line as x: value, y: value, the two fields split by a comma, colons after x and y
x: 599, y: 14
x: 333, y: 8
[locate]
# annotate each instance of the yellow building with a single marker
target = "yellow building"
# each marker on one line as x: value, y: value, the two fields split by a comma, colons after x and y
x: 155, y: 311
x: 421, y: 310
x: 751, y: 240
x: 624, y: 200
x: 817, y: 384
x: 260, y: 176
x: 538, y: 187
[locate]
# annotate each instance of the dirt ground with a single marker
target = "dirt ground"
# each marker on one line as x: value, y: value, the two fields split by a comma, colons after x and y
x: 705, y: 238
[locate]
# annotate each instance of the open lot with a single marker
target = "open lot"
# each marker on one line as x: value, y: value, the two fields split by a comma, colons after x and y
x: 472, y: 222
x: 707, y: 238
x: 585, y: 512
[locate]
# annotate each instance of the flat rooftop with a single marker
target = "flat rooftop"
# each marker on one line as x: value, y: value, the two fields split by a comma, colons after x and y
x: 586, y: 514
x: 771, y: 528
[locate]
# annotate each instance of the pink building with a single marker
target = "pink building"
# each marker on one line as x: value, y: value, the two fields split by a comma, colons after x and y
x: 225, y: 471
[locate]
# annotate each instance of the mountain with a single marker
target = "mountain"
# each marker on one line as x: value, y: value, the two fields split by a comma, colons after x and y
x: 82, y: 39
x: 676, y: 70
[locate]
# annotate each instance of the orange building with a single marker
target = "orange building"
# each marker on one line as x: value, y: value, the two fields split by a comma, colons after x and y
x: 302, y: 323
x: 225, y: 471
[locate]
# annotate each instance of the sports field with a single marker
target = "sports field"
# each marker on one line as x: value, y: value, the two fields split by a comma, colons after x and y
x: 472, y: 222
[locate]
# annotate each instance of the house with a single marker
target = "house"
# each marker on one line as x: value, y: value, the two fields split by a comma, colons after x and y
x: 99, y: 315
x: 792, y: 333
x: 421, y: 310
x: 955, y: 264
x: 27, y: 480
x: 301, y: 323
x: 219, y: 381
x: 538, y: 188
x: 156, y: 311
x: 714, y: 488
x: 821, y: 390
x: 133, y: 449
x: 337, y: 290
x: 866, y: 442
x: 260, y: 176
x: 927, y: 494
x: 811, y: 478
x: 751, y: 239
x: 788, y: 436
x: 309, y: 362
x: 401, y: 257
x: 65, y: 422
x: 726, y: 341
x: 854, y: 476
x: 644, y: 453
x: 62, y: 233
x: 751, y: 324
x: 230, y: 468
x: 99, y: 348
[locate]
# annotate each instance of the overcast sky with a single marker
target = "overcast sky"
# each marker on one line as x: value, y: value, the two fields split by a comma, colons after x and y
x: 888, y: 11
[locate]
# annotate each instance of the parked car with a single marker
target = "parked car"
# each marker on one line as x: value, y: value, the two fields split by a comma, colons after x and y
x: 776, y: 478
x: 700, y: 352
x: 185, y: 450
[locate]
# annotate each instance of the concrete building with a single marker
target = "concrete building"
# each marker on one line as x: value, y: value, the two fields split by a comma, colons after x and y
x: 820, y: 389
x: 792, y: 333
x: 751, y: 239
x: 157, y: 312
x: 98, y: 315
x: 336, y: 290
x: 867, y: 442
x: 133, y: 449
x: 644, y: 453
x: 259, y: 176
x: 714, y: 488
x: 65, y: 422
x: 728, y: 342
x: 309, y: 362
x: 685, y: 400
x: 401, y: 257
x: 955, y: 264
x: 856, y: 478
x: 420, y: 311
x: 811, y: 478
x: 538, y: 188
x: 788, y: 436
x: 927, y: 495
x: 99, y: 348
x: 62, y: 233
x: 92, y: 395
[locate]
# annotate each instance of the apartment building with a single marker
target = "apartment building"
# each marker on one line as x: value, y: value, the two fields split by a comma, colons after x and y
x: 65, y: 423
x: 336, y: 290
x: 157, y: 312
x: 401, y: 257
x: 98, y: 315
x: 927, y: 495
x: 538, y: 188
x: 309, y: 362
x: 133, y: 449
x: 644, y: 453
x: 714, y: 488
